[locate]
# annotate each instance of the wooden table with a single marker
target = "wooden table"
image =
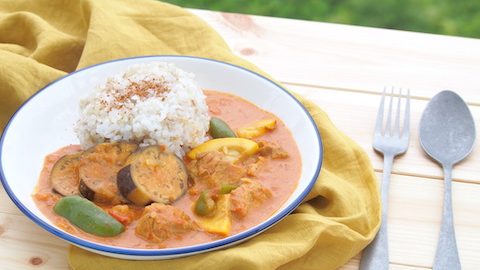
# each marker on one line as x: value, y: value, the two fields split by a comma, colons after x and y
x: 343, y: 69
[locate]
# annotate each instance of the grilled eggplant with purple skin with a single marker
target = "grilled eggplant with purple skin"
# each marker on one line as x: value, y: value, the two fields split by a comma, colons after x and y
x: 152, y: 175
x: 98, y: 168
x: 64, y: 175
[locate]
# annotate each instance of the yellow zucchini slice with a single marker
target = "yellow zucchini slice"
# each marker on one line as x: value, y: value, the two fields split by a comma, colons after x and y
x: 221, y: 221
x: 257, y: 129
x: 236, y: 148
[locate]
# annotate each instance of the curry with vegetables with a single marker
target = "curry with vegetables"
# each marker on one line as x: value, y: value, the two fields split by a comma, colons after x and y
x: 121, y: 194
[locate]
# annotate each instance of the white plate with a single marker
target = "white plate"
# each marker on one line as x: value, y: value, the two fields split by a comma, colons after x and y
x: 44, y: 123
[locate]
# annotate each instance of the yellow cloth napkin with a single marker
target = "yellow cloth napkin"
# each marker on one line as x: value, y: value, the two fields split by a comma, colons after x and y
x: 42, y: 40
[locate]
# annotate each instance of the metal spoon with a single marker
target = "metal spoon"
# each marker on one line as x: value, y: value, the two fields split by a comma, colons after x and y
x: 447, y: 134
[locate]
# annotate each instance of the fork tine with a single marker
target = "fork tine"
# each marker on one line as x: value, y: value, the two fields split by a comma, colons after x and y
x: 397, y: 117
x: 406, y: 121
x: 388, y: 126
x: 378, y: 124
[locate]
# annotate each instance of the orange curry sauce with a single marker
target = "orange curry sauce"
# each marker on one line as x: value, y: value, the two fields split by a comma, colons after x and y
x: 279, y: 175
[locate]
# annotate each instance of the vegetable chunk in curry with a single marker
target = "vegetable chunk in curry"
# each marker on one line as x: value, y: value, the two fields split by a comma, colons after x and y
x: 156, y: 199
x: 214, y: 168
x: 160, y: 222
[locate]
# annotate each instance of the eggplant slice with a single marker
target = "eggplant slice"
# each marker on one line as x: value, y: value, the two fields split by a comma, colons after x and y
x: 98, y: 170
x: 153, y: 176
x: 64, y: 175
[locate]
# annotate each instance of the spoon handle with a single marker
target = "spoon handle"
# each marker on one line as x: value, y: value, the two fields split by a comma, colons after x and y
x: 446, y: 257
x: 375, y: 255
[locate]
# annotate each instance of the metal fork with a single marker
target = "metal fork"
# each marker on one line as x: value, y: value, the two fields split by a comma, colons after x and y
x: 390, y: 141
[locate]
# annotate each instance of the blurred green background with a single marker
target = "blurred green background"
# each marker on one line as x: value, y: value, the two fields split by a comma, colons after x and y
x: 448, y: 17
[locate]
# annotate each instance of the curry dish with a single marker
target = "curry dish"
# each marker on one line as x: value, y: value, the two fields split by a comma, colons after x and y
x: 121, y: 194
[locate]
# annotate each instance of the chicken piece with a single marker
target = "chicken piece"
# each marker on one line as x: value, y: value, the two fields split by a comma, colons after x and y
x: 249, y: 195
x: 213, y: 169
x: 253, y: 164
x: 272, y: 150
x: 160, y: 222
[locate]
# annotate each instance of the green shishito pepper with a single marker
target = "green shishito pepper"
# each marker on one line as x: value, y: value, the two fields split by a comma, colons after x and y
x: 227, y: 188
x: 204, y: 206
x: 87, y: 216
x: 220, y: 129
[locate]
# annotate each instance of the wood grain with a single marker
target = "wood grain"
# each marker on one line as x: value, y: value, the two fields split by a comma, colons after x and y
x: 354, y: 113
x: 342, y: 69
x: 352, y: 57
x: 353, y: 265
x: 25, y: 245
x: 414, y: 218
x: 415, y: 211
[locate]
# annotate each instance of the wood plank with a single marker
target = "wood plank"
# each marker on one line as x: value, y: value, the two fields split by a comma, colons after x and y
x: 415, y: 211
x: 6, y: 205
x: 352, y: 57
x: 354, y: 263
x: 403, y: 267
x: 48, y: 252
x: 23, y: 245
x: 355, y: 114
x: 414, y: 220
x: 356, y: 61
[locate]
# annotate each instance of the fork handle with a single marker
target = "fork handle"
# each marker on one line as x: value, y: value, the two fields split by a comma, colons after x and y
x: 375, y: 255
x: 446, y: 257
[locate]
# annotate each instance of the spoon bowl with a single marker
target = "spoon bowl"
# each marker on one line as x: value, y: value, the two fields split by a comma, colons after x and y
x: 447, y: 129
x: 447, y: 134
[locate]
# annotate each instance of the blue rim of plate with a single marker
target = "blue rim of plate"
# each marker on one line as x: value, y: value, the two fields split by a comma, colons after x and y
x: 169, y: 251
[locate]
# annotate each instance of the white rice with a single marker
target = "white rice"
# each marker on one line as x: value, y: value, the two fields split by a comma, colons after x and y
x: 153, y: 103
